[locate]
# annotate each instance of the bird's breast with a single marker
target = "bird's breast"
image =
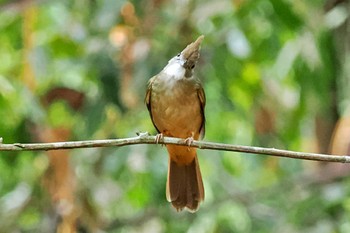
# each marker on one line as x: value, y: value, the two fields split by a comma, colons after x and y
x: 176, y: 107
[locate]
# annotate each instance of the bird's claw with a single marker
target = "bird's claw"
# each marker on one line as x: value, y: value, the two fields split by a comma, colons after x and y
x: 189, y: 141
x: 159, y: 137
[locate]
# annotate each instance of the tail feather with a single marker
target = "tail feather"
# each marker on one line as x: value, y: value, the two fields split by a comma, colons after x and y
x: 184, y: 185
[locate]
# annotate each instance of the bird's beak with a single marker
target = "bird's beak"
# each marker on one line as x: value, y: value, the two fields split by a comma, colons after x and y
x: 190, y: 54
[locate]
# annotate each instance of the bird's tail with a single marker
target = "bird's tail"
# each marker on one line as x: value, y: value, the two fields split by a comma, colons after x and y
x: 184, y: 185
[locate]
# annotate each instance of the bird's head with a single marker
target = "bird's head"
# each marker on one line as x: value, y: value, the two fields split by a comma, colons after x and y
x: 182, y: 64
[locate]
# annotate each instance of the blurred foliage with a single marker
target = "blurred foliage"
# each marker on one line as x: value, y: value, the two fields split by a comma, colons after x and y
x: 276, y: 74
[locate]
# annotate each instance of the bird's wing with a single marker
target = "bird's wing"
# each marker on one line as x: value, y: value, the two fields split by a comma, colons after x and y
x: 201, y: 97
x: 148, y: 100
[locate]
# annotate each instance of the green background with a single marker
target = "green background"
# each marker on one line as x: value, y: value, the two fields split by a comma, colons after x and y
x: 275, y: 72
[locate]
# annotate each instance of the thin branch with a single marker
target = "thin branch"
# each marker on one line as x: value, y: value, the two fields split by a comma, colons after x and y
x: 144, y: 138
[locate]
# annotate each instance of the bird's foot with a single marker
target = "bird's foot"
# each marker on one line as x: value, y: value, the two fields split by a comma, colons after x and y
x: 159, y: 137
x: 189, y: 141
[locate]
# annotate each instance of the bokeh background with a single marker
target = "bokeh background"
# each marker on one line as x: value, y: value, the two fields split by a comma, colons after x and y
x: 276, y: 74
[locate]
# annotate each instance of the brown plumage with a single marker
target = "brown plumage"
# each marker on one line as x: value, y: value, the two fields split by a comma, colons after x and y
x: 175, y: 100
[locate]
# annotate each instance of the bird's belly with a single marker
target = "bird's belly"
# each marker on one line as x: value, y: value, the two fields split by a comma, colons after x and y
x: 177, y: 115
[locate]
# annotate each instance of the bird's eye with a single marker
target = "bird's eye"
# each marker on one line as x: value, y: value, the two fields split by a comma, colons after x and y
x: 178, y: 55
x: 193, y: 66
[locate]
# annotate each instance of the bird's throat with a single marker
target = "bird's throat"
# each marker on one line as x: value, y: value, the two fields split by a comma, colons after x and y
x: 175, y: 71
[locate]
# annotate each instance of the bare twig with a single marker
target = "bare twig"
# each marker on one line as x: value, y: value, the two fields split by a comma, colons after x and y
x: 144, y: 138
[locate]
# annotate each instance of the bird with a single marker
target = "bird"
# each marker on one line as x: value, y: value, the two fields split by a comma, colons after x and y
x: 176, y: 100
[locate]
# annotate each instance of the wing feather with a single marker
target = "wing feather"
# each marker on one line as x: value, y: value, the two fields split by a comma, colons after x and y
x: 201, y: 97
x: 148, y: 100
